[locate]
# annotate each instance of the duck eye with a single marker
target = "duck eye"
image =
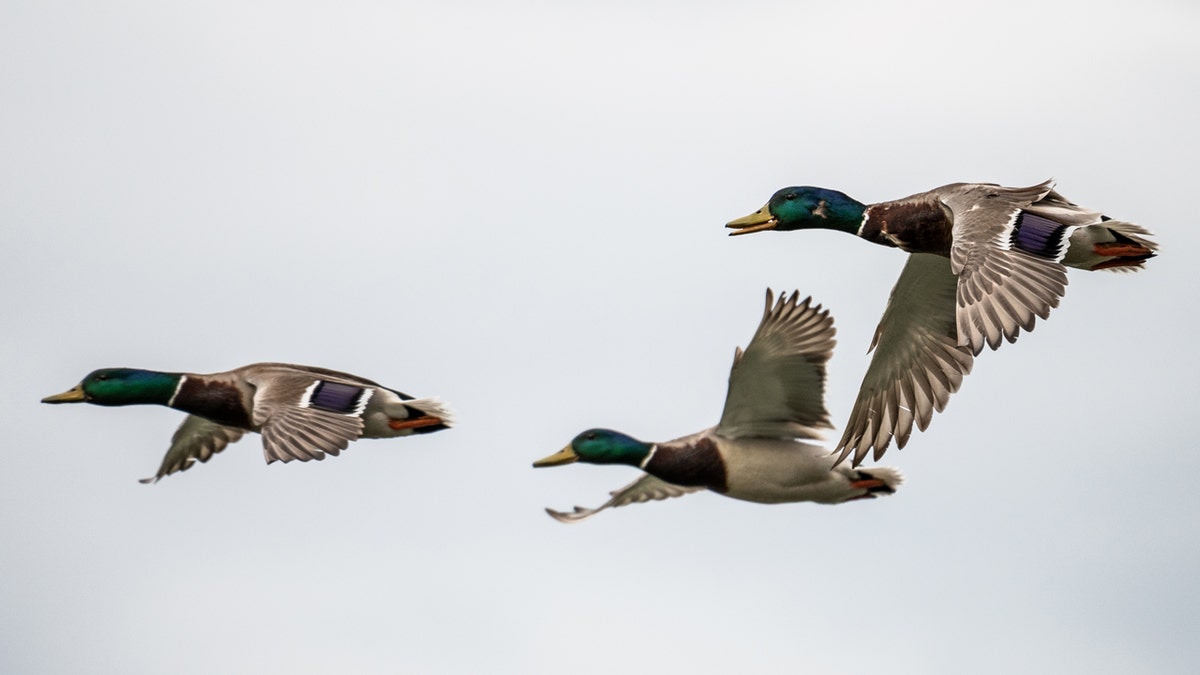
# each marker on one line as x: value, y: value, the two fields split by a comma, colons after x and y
x: 591, y: 436
x: 102, y: 376
x: 790, y: 196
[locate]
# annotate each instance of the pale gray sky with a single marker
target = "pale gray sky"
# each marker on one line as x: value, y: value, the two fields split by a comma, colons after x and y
x: 519, y: 207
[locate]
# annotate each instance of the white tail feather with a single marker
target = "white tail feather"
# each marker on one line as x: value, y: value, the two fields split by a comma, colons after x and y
x: 432, y: 406
x: 1135, y: 232
x: 889, y: 475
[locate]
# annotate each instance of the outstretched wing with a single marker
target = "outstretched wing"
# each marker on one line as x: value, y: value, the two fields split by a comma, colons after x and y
x: 645, y: 489
x: 196, y: 440
x: 304, y: 417
x: 917, y: 365
x: 777, y: 385
x: 1001, y: 289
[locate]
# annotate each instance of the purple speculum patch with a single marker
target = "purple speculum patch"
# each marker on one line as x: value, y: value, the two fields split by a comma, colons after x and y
x: 1037, y: 235
x: 335, y: 397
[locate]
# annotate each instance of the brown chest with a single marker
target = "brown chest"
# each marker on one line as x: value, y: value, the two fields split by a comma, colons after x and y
x: 222, y: 402
x: 694, y: 463
x: 916, y: 227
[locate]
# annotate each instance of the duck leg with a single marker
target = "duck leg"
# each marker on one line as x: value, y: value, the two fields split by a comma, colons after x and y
x: 414, y: 424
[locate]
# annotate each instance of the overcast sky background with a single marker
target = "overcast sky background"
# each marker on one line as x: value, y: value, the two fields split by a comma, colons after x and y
x: 519, y: 207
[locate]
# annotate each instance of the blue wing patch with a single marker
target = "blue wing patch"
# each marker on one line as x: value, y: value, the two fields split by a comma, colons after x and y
x: 1038, y: 236
x: 344, y: 399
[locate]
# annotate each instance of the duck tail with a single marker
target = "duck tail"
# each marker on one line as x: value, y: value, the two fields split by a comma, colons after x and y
x: 1054, y: 228
x: 1125, y: 248
x: 877, y: 481
x: 429, y: 407
x: 1110, y: 245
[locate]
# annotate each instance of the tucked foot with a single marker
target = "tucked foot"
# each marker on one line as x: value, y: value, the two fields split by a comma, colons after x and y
x: 1116, y: 263
x: 1123, y: 250
x: 877, y: 481
x: 871, y: 484
x: 415, y: 424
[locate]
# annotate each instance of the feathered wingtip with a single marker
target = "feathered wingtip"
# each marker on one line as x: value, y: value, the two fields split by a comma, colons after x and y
x: 579, y: 513
x: 805, y: 318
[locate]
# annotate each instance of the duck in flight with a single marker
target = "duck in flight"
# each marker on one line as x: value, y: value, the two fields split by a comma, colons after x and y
x: 760, y: 451
x: 985, y: 261
x: 302, y: 412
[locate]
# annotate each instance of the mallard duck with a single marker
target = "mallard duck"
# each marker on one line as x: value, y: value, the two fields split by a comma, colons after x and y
x: 776, y: 396
x: 985, y: 262
x: 302, y: 412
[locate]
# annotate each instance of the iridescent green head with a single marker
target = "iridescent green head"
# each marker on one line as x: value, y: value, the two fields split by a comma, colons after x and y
x: 803, y: 208
x: 600, y: 446
x: 121, y: 386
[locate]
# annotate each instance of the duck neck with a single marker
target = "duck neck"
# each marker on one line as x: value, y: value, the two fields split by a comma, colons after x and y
x: 139, y: 387
x: 838, y: 211
x: 844, y: 216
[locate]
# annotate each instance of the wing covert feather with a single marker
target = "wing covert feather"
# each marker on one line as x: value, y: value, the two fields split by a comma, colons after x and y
x: 291, y: 431
x: 1001, y: 290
